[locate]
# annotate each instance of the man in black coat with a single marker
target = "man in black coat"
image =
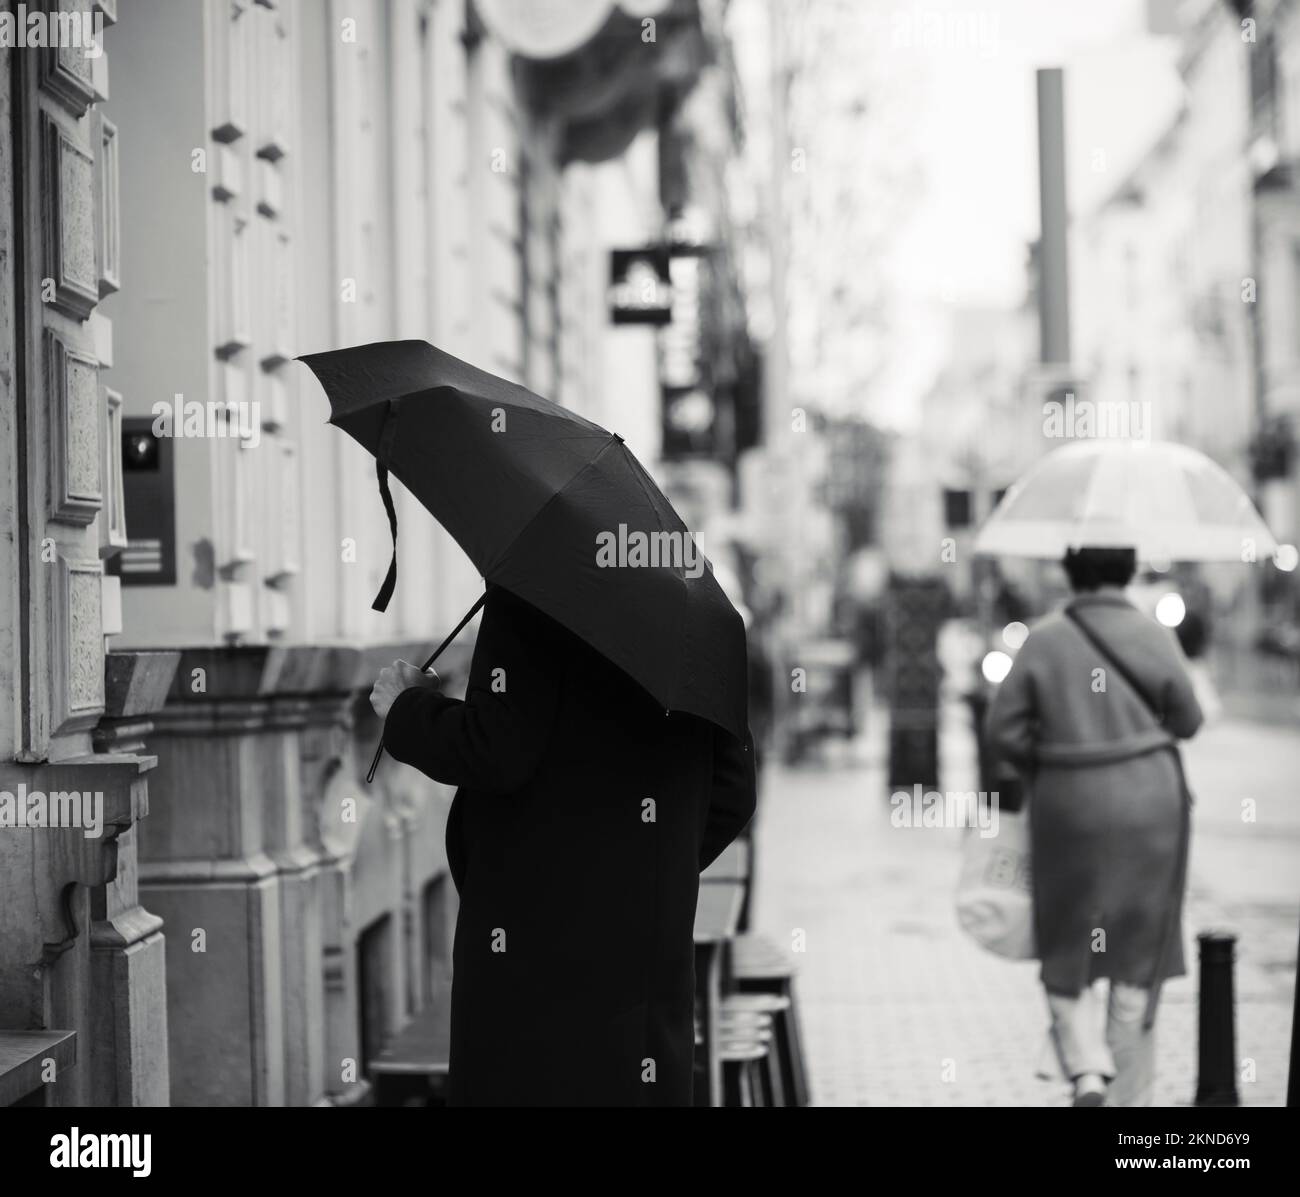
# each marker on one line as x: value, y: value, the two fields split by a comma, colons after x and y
x: 583, y: 817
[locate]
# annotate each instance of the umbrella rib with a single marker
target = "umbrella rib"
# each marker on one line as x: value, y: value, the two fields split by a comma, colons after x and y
x: 559, y: 490
x: 637, y: 471
x: 681, y: 579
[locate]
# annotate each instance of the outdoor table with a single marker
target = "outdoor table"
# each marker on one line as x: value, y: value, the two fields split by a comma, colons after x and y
x: 731, y: 865
x: 414, y: 1064
x: 717, y: 914
x: 22, y: 1063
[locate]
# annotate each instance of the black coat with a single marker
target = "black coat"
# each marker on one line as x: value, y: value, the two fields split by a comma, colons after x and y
x: 576, y: 839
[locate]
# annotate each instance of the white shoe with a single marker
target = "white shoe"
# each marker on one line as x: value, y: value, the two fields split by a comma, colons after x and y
x: 1090, y: 1090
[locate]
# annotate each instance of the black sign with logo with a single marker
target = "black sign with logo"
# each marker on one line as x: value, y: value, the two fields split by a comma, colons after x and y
x: 640, y: 288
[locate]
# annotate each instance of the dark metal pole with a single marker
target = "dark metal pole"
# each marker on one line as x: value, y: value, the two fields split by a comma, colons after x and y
x: 1216, y: 1083
x: 1053, y: 256
x: 1054, y: 351
x: 1293, y: 1077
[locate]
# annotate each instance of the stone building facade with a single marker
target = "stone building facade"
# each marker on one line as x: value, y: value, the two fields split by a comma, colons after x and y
x: 83, y: 1008
x: 189, y: 552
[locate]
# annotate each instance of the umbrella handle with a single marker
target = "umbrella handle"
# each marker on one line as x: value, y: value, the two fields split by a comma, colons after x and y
x: 437, y: 652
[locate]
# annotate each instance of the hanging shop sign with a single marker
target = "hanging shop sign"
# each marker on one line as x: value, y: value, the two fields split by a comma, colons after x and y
x: 690, y: 419
x: 640, y: 289
x: 680, y: 343
x: 688, y: 402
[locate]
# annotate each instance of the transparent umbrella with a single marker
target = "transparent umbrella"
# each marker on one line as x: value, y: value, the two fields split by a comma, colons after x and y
x: 1168, y: 501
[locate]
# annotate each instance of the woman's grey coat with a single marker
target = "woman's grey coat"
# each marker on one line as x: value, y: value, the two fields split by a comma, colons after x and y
x: 1106, y: 798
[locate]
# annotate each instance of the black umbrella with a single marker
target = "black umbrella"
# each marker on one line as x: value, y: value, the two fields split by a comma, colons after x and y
x: 553, y: 508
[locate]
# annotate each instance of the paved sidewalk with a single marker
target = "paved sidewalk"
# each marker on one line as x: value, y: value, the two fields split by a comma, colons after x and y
x: 900, y: 1008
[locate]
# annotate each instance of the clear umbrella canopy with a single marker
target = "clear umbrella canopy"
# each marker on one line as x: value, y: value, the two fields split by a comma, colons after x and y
x: 1168, y: 501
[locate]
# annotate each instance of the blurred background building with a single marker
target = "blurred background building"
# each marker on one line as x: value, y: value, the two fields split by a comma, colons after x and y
x: 1177, y: 307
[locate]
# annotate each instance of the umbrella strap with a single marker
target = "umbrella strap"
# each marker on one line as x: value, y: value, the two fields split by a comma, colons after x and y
x: 386, y: 437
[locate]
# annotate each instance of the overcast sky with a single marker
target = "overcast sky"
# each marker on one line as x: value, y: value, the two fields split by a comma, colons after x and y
x: 976, y: 134
x: 977, y: 130
x: 961, y: 104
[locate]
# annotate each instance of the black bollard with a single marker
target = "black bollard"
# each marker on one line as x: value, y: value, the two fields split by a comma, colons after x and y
x: 1216, y: 1082
x: 1293, y: 1077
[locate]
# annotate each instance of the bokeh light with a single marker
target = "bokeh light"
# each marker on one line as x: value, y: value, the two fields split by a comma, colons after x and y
x: 1014, y: 634
x: 995, y: 666
x: 1171, y: 610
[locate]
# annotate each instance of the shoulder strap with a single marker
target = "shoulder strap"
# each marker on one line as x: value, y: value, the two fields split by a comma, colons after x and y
x: 1115, y: 663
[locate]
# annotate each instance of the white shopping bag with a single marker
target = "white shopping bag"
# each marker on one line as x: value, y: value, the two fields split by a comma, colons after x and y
x: 994, y: 900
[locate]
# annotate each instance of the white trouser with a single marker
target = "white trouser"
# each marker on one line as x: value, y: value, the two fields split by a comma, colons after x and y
x: 1104, y: 1035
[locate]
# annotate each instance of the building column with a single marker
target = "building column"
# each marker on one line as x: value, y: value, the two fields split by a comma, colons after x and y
x: 285, y: 882
x: 207, y: 868
x: 128, y: 953
x: 382, y: 859
x: 57, y: 883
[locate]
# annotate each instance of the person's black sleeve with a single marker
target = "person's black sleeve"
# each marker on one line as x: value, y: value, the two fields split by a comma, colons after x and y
x: 734, y: 794
x: 494, y: 739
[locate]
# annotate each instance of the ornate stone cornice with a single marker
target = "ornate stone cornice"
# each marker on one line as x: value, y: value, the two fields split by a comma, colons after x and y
x: 238, y: 689
x: 135, y: 686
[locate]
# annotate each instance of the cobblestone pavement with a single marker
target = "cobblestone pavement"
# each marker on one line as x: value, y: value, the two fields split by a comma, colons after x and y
x: 898, y: 1007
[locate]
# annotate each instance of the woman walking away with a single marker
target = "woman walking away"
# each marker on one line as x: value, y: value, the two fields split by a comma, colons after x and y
x: 1090, y: 715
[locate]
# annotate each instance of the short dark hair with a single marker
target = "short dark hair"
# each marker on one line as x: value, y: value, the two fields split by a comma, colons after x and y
x: 1089, y: 568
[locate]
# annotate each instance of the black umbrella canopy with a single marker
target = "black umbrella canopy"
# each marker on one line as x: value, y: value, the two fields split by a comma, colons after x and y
x: 552, y: 507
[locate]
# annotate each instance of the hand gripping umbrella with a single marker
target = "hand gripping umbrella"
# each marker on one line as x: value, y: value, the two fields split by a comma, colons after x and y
x: 551, y: 507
